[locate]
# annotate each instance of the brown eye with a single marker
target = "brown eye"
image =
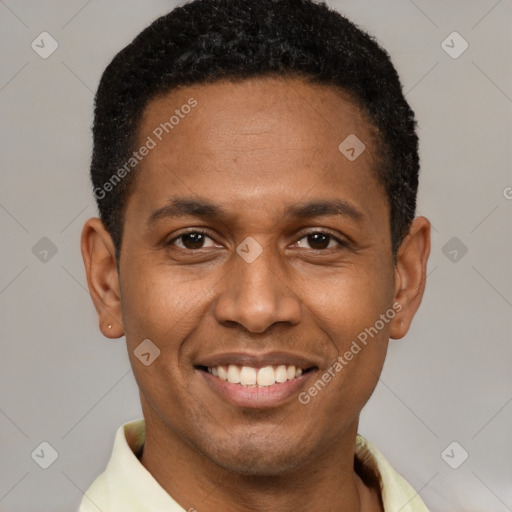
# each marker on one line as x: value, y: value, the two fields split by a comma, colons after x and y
x: 193, y: 240
x: 318, y: 241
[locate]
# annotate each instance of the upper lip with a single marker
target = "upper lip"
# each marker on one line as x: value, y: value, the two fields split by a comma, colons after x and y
x: 256, y: 360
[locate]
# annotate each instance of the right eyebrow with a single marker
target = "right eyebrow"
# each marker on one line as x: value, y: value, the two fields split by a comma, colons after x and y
x: 187, y: 207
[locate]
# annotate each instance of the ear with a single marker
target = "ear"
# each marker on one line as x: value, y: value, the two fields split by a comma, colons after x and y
x: 410, y: 275
x: 98, y: 253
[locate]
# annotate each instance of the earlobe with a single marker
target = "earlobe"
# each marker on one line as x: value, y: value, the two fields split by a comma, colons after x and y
x: 98, y: 253
x: 410, y: 275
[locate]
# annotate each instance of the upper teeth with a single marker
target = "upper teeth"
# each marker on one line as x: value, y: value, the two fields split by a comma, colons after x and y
x: 249, y: 376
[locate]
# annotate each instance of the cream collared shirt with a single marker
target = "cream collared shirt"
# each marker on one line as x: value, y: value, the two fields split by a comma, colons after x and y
x: 127, y: 486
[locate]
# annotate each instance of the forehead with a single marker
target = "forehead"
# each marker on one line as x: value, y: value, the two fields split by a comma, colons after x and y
x: 302, y: 113
x: 255, y: 139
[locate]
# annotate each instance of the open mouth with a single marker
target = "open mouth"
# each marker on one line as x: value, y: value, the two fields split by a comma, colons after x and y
x: 249, y: 376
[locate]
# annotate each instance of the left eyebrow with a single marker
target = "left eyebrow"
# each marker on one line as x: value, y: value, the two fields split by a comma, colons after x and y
x: 324, y: 208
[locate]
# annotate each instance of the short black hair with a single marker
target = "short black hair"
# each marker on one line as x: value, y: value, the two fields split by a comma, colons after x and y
x: 205, y: 41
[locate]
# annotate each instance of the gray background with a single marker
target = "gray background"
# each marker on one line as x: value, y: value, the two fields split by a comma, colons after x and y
x: 449, y: 380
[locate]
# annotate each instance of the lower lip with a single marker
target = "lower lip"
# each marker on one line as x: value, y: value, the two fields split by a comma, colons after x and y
x: 257, y: 397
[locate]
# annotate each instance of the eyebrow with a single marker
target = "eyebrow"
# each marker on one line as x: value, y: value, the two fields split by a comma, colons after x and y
x: 187, y: 207
x: 334, y: 207
x: 202, y: 208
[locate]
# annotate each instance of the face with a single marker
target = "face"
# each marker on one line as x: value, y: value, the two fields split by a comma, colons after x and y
x: 255, y: 250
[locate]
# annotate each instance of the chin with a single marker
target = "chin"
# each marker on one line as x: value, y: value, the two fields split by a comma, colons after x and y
x: 258, y: 457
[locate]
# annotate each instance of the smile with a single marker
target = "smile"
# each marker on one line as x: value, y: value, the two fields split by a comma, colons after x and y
x: 256, y: 377
x: 256, y: 380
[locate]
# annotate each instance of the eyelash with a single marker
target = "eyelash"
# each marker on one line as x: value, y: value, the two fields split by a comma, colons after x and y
x: 342, y: 244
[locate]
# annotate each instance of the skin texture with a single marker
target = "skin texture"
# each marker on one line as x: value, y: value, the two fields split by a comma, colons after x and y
x: 254, y: 149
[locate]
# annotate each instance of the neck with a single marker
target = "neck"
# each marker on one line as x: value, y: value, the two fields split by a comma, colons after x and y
x: 328, y: 483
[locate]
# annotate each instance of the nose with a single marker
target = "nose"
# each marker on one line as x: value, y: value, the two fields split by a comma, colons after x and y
x: 256, y: 296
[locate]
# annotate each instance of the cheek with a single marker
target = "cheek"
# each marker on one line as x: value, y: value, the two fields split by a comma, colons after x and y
x: 156, y: 308
x: 350, y: 300
x: 355, y: 311
x: 157, y: 305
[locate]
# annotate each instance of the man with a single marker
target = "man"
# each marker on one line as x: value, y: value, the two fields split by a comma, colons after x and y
x: 255, y: 165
